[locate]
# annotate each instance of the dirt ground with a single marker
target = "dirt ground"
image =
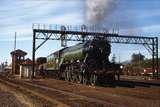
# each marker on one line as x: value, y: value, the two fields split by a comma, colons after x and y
x: 123, y: 96
x: 15, y: 97
x: 8, y: 99
x: 113, y: 96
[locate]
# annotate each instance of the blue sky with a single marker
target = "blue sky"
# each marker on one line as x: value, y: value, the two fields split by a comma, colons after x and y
x: 131, y: 17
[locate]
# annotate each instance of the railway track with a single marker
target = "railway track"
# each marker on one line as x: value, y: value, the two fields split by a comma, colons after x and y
x: 57, y: 97
x: 30, y: 93
x: 133, y: 83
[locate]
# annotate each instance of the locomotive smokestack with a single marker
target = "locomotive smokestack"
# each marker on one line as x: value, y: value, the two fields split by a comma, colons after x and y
x: 97, y: 10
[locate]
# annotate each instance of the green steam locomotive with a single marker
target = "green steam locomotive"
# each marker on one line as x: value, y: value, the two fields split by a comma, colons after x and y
x: 86, y: 62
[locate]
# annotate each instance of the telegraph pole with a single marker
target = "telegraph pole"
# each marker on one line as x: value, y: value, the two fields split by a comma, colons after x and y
x: 15, y: 41
x: 14, y: 49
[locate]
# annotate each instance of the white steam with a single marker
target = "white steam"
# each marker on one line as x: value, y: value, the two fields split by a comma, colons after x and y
x: 97, y: 10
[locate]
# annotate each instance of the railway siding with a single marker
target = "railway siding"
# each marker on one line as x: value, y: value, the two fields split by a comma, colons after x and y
x: 61, y: 98
x: 61, y: 93
x: 142, y: 96
x: 30, y: 97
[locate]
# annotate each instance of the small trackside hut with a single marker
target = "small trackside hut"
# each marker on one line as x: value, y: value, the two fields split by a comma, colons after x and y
x: 18, y: 57
x: 26, y: 68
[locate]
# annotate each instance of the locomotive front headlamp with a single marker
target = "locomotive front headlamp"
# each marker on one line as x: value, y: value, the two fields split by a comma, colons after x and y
x: 121, y: 66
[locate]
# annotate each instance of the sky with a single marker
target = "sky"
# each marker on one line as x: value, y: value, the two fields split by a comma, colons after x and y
x: 129, y: 17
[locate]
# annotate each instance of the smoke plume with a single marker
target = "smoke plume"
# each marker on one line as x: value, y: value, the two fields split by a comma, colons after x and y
x: 98, y: 10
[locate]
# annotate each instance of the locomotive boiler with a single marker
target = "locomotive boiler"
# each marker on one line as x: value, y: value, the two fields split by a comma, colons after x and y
x: 86, y: 62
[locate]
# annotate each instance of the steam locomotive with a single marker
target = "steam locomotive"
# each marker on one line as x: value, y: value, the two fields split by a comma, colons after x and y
x: 86, y: 63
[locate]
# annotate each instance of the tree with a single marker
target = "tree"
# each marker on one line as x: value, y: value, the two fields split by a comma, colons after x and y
x: 137, y: 58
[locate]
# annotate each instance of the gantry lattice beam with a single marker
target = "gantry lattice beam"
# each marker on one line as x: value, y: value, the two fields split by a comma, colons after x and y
x: 80, y: 36
x: 84, y: 34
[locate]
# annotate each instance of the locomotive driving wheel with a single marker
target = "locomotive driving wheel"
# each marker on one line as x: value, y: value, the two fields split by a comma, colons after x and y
x: 72, y: 74
x: 93, y: 79
x: 79, y: 77
x: 84, y: 78
x: 67, y: 73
